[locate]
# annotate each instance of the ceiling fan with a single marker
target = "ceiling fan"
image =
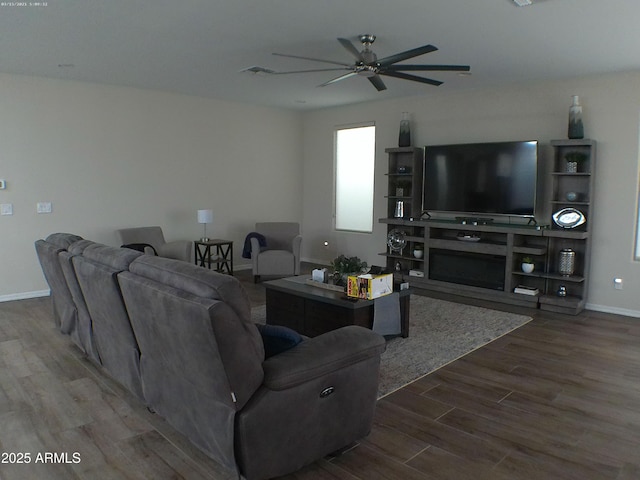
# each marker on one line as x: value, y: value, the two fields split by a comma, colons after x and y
x: 367, y: 64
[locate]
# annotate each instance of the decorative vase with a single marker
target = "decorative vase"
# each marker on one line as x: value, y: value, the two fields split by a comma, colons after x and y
x: 527, y: 267
x: 399, y: 211
x: 404, y: 138
x: 573, y: 161
x: 572, y: 196
x: 418, y: 252
x: 576, y: 129
x: 567, y: 261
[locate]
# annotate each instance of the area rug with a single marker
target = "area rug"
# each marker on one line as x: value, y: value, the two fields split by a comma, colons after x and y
x: 439, y: 333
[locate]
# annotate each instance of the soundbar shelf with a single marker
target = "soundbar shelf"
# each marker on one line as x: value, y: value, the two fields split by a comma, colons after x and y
x: 401, y: 257
x: 532, y: 250
x: 464, y: 246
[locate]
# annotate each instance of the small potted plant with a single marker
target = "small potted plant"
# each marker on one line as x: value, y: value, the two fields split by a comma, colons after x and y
x: 527, y: 265
x: 344, y: 266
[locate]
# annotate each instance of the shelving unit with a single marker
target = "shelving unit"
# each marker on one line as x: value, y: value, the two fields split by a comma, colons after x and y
x: 484, y: 260
x: 405, y: 181
x: 565, y: 185
x: 405, y: 185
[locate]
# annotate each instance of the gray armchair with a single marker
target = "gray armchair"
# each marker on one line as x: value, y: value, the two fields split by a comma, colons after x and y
x: 281, y: 254
x: 153, y: 236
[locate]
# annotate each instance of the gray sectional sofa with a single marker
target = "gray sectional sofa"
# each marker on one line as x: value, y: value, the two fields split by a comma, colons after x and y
x: 181, y: 339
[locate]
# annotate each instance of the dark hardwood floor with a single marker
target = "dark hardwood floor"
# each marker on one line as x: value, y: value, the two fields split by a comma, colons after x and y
x: 558, y: 398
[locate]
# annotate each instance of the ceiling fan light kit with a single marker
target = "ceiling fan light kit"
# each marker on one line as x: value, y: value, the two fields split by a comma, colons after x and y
x: 369, y: 66
x: 256, y: 70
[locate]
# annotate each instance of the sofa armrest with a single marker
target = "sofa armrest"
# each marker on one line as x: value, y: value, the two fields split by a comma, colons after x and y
x: 321, y: 355
x: 179, y: 249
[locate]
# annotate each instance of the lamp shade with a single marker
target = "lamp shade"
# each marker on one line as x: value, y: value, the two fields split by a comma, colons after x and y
x: 205, y: 216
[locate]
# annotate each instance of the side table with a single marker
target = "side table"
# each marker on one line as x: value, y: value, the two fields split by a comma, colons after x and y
x: 222, y: 257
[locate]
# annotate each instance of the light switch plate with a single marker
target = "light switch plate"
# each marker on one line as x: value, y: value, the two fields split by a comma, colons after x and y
x: 6, y: 209
x: 43, y: 207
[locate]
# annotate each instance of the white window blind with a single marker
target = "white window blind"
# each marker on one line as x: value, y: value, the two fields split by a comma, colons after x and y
x: 354, y: 175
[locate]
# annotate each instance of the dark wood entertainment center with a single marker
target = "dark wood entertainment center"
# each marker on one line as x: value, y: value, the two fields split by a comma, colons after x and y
x: 481, y: 258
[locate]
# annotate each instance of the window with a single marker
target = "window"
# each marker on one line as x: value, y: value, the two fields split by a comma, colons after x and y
x: 354, y: 161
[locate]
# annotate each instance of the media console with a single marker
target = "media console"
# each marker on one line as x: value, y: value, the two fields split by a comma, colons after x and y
x: 479, y: 258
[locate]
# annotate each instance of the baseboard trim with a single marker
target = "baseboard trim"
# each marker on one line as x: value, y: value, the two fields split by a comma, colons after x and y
x: 24, y: 295
x: 617, y: 311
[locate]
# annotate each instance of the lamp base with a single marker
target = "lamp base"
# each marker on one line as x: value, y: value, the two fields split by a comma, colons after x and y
x: 204, y: 239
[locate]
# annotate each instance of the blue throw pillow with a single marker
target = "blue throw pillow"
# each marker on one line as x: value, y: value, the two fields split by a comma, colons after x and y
x: 277, y: 339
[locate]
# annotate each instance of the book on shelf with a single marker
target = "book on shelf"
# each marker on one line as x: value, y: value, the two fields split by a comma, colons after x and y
x: 526, y: 290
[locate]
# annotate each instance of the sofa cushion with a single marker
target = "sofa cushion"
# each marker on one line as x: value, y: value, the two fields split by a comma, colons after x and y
x: 83, y: 335
x: 63, y: 240
x: 237, y: 337
x: 78, y: 247
x: 198, y: 281
x: 96, y: 270
x: 112, y: 257
x: 279, y: 235
x: 64, y: 310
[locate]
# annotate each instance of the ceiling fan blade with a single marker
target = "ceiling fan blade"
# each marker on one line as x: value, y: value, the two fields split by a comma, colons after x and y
x: 311, y: 71
x: 351, y: 49
x: 337, y: 79
x: 312, y: 59
x: 398, y: 57
x: 406, y: 76
x: 377, y: 82
x: 428, y: 68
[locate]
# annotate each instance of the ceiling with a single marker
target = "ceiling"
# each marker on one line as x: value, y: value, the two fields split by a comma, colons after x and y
x: 199, y: 47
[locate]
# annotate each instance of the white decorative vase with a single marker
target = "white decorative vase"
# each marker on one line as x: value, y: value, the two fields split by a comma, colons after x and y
x: 418, y: 253
x: 527, y: 267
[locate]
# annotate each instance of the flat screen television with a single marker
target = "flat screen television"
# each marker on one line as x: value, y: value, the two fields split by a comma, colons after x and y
x: 481, y: 179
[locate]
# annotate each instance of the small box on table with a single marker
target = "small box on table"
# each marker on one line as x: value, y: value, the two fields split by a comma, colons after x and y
x: 369, y: 286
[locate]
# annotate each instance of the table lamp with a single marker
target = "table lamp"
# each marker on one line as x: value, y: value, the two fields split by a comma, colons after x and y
x: 204, y: 217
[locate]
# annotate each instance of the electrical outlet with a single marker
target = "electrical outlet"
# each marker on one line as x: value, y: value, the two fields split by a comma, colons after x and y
x: 43, y: 207
x: 6, y: 209
x: 617, y: 283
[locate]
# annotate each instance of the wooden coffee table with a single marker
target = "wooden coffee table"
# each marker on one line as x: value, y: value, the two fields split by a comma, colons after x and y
x: 311, y: 310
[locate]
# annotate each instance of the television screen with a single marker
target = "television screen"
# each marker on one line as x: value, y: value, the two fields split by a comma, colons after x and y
x: 481, y: 178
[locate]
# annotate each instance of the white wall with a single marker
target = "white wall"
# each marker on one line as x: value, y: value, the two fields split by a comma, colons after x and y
x: 533, y: 111
x: 113, y: 157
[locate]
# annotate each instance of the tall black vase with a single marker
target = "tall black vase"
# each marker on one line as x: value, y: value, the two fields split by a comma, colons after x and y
x: 576, y: 128
x: 404, y: 138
